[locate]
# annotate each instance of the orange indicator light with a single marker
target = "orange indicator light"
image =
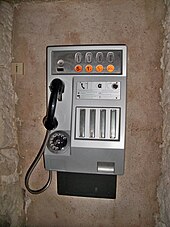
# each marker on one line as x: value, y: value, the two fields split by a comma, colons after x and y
x: 99, y: 68
x: 110, y: 68
x: 78, y: 68
x: 89, y: 68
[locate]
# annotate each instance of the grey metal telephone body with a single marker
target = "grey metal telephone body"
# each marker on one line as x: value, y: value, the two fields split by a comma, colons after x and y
x: 89, y: 141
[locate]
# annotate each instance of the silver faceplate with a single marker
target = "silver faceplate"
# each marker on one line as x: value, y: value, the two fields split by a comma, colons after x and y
x: 92, y: 110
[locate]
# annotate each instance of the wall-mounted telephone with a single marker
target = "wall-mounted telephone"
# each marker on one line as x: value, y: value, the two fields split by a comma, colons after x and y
x: 85, y: 120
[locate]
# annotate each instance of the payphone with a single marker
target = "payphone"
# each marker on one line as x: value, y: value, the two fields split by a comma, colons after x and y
x: 85, y: 120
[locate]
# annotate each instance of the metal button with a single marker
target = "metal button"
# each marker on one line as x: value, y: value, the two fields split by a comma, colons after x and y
x: 99, y: 57
x: 110, y: 57
x: 60, y: 62
x: 78, y: 57
x: 88, y: 57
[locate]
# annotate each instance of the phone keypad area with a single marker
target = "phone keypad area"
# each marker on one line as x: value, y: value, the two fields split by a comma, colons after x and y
x: 87, y: 61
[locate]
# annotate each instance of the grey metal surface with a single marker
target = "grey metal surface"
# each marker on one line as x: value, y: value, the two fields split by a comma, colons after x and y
x: 85, y: 160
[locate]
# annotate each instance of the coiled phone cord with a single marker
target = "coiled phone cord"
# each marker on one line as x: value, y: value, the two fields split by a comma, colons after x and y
x: 34, y: 164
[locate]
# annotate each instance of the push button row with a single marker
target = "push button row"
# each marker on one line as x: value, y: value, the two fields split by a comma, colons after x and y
x: 89, y: 68
x: 89, y: 57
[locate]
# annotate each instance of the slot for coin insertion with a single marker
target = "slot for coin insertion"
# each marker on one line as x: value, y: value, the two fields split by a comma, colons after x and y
x: 82, y: 122
x: 112, y: 123
x: 97, y: 123
x: 102, y: 123
x: 92, y: 123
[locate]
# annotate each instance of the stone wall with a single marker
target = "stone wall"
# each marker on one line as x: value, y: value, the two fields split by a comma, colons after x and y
x: 136, y: 27
x: 137, y: 23
x: 164, y: 187
x: 11, y: 194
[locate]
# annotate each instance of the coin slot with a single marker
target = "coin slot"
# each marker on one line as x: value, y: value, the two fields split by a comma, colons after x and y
x: 78, y: 57
x: 88, y: 57
x: 82, y: 123
x: 92, y: 123
x: 102, y: 123
x: 110, y: 57
x: 99, y: 57
x: 113, y: 124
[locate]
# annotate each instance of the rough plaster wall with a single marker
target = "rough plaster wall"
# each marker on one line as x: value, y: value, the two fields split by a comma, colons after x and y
x: 11, y: 195
x: 137, y: 23
x: 164, y: 187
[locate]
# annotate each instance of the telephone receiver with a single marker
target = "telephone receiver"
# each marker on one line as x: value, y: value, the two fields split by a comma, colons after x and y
x: 50, y: 122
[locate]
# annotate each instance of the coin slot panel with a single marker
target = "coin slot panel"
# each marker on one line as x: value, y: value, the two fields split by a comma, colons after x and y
x: 97, y: 123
